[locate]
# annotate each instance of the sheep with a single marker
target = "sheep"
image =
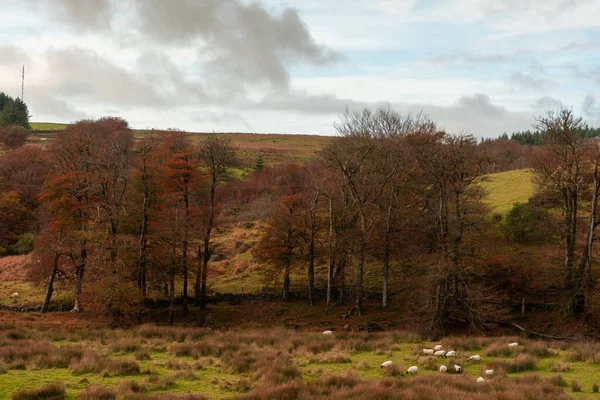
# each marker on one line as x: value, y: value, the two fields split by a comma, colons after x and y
x: 412, y: 370
x: 451, y: 353
x: 458, y: 369
x: 480, y: 379
x: 513, y: 344
x: 327, y: 333
x: 489, y: 372
x: 428, y: 352
x: 440, y: 353
x: 15, y: 294
x: 386, y: 364
x: 438, y: 347
x: 443, y: 368
x: 475, y: 358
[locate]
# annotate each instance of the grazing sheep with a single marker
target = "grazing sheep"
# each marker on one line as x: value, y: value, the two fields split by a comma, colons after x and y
x: 475, y: 358
x: 489, y: 372
x: 458, y: 369
x: 513, y: 344
x: 412, y: 370
x: 428, y: 352
x: 443, y: 368
x: 480, y: 379
x: 327, y: 333
x: 440, y: 353
x: 15, y: 294
x: 386, y: 364
x: 438, y: 347
x: 451, y: 353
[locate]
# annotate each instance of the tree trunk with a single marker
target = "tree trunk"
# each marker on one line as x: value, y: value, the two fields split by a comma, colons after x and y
x: 331, y: 259
x: 172, y: 284
x: 184, y: 251
x: 143, y: 241
x: 386, y: 255
x: 198, y: 274
x: 586, y: 256
x: 288, y: 259
x: 311, y: 263
x: 209, y: 228
x: 50, y: 284
x: 361, y: 263
x: 79, y: 270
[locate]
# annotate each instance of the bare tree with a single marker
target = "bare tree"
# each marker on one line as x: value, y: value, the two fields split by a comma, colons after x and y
x: 217, y: 155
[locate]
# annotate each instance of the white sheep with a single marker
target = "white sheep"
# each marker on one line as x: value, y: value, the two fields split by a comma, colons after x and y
x: 327, y: 333
x: 15, y: 294
x: 480, y: 379
x: 438, y: 347
x: 458, y: 368
x: 513, y: 344
x: 475, y: 358
x: 412, y: 370
x: 489, y: 372
x: 386, y: 364
x: 443, y: 368
x: 451, y: 353
x: 440, y: 353
x: 428, y: 352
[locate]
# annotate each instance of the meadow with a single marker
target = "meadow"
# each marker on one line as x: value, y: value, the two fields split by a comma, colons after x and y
x: 160, y: 362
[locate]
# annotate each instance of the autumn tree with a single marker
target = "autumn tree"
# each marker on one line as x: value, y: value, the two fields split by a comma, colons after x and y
x: 560, y: 172
x: 217, y: 156
x: 13, y: 136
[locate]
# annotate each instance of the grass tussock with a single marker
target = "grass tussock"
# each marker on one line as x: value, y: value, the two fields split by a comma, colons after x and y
x: 557, y: 366
x: 521, y: 363
x: 575, y: 386
x: 96, y: 392
x: 52, y: 391
x: 558, y: 380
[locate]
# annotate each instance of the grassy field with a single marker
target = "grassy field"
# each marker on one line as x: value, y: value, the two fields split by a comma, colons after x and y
x: 47, y: 126
x: 506, y: 188
x: 163, y: 362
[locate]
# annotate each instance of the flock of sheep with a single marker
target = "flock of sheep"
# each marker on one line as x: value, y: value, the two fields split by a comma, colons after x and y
x: 437, y: 352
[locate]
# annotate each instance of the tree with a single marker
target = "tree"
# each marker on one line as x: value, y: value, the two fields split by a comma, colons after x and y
x: 13, y: 136
x: 260, y: 164
x: 559, y: 173
x: 13, y: 112
x: 217, y: 155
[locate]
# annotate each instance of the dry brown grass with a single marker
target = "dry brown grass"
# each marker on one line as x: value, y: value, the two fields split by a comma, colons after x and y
x: 52, y: 391
x: 97, y: 392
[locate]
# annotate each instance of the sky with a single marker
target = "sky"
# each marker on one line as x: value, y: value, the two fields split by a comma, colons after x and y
x: 482, y: 67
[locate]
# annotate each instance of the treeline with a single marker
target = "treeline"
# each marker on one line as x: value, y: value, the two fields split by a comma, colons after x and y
x: 124, y: 220
x: 536, y: 137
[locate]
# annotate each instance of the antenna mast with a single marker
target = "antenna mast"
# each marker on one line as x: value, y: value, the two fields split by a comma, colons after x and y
x: 22, y: 81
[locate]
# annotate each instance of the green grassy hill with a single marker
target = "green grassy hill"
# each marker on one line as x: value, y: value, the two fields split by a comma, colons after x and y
x: 506, y: 188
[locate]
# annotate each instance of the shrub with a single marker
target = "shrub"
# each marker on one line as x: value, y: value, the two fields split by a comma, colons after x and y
x: 52, y: 391
x: 558, y: 380
x: 142, y: 355
x: 521, y: 363
x: 595, y: 388
x: 555, y: 366
x: 575, y: 386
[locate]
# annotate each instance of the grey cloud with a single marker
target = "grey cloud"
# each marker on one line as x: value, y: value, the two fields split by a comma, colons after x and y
x: 11, y: 56
x: 546, y: 103
x: 476, y: 114
x: 530, y: 82
x: 82, y: 75
x: 482, y: 104
x: 239, y: 40
x: 589, y: 106
x: 221, y: 118
x: 468, y: 58
x: 84, y: 15
x: 45, y: 106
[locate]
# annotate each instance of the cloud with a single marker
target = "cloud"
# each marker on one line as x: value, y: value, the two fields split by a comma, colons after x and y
x: 468, y: 58
x: 83, y: 15
x: 546, y: 103
x: 234, y: 39
x: 530, y: 82
x: 590, y: 108
x: 81, y: 75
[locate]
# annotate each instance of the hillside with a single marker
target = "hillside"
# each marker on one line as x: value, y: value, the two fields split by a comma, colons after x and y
x: 506, y: 188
